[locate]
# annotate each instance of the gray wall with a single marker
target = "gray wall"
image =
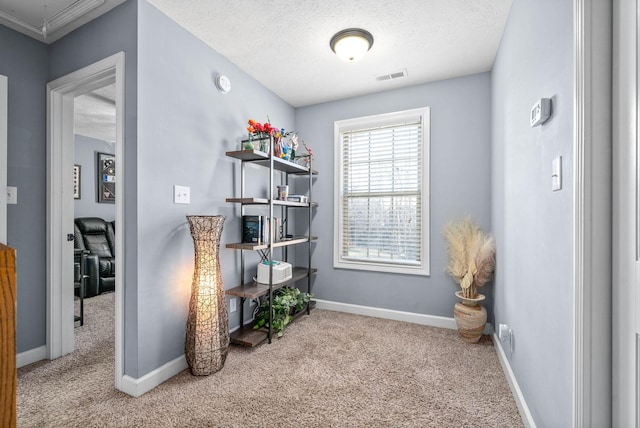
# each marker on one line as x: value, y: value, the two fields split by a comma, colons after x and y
x: 25, y: 62
x: 460, y: 185
x: 184, y: 128
x: 85, y: 152
x: 533, y: 225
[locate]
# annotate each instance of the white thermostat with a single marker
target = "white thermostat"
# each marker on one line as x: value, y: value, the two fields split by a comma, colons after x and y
x: 541, y: 111
x: 223, y: 83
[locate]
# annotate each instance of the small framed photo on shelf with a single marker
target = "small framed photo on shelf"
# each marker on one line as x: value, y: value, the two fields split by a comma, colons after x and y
x: 76, y: 181
x: 106, y: 178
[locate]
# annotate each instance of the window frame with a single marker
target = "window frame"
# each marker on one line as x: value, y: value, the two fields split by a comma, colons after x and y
x: 371, y: 121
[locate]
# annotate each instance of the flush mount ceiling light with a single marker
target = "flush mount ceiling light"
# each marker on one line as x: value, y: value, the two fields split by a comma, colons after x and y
x: 351, y: 44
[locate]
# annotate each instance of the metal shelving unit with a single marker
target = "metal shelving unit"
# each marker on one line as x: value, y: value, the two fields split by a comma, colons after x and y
x: 246, y: 335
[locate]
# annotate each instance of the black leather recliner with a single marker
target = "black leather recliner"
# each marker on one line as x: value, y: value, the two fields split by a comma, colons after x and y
x: 96, y: 235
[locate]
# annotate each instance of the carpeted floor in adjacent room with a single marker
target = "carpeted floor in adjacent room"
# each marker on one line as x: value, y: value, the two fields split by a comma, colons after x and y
x: 329, y: 370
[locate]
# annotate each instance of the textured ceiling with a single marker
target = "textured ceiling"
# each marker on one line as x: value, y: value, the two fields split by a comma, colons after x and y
x: 95, y: 114
x: 284, y: 44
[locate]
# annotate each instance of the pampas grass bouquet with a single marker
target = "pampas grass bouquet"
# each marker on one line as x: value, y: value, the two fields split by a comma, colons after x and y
x: 472, y: 256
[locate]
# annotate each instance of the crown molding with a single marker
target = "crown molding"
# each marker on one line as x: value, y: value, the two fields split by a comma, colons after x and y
x: 63, y: 22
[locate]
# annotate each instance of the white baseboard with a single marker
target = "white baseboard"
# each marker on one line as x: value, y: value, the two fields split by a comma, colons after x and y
x: 527, y: 419
x: 391, y: 314
x: 31, y: 356
x: 137, y: 387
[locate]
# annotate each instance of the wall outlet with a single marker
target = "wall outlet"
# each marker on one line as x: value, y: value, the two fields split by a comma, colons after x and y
x: 12, y: 195
x: 505, y: 334
x: 232, y: 304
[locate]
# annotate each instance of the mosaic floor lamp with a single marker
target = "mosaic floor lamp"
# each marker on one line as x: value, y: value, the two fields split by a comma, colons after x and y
x: 207, y: 341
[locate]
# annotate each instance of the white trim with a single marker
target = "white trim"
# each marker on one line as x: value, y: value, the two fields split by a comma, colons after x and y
x: 31, y: 356
x: 392, y: 314
x: 4, y: 108
x: 625, y: 190
x: 592, y: 218
x: 521, y: 403
x: 60, y: 94
x: 120, y: 223
x: 137, y: 387
x: 424, y: 115
x: 68, y: 14
x: 580, y: 335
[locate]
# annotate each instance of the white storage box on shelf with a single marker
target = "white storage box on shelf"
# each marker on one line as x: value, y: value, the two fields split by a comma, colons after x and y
x: 282, y: 271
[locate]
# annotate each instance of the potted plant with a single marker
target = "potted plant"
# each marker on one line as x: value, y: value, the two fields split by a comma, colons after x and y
x: 471, y: 264
x: 287, y: 301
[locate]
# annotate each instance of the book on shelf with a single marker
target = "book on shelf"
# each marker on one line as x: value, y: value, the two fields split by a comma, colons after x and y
x: 252, y: 229
x: 255, y: 229
x: 275, y: 224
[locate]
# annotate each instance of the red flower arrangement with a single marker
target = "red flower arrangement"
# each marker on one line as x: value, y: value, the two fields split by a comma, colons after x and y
x: 257, y: 128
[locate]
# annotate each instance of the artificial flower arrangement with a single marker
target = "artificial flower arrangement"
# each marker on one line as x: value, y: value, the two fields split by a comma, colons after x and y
x: 285, y: 143
x: 306, y: 158
x: 258, y: 132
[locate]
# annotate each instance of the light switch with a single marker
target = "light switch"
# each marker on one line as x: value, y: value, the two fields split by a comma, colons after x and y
x: 556, y: 174
x: 181, y: 195
x: 12, y: 195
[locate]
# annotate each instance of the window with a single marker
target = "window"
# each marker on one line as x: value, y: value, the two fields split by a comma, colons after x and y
x: 381, y: 193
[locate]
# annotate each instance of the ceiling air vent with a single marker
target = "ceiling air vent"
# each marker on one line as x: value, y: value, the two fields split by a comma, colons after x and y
x: 390, y: 76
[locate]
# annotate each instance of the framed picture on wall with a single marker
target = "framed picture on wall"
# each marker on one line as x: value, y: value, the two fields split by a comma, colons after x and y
x: 76, y: 181
x: 106, y: 178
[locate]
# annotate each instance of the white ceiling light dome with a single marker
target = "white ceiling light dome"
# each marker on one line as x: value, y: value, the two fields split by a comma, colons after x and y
x: 351, y: 44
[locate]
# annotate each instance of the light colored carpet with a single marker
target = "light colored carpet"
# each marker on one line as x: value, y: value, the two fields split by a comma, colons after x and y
x: 329, y: 370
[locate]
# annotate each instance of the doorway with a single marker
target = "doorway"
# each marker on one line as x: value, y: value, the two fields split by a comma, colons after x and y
x: 61, y: 94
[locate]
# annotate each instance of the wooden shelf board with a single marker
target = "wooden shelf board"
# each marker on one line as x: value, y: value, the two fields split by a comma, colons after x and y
x: 247, y: 155
x: 253, y: 290
x: 265, y: 201
x: 247, y: 336
x: 261, y: 158
x: 282, y: 243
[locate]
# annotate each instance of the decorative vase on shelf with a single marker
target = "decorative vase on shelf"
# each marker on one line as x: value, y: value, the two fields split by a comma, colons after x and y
x: 277, y: 147
x: 470, y: 317
x: 247, y: 144
x: 264, y: 145
x: 207, y: 338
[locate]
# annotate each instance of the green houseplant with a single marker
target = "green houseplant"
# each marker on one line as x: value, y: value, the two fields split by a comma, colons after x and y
x: 286, y: 302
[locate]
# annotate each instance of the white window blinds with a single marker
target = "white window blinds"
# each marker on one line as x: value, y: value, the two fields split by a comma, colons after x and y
x: 382, y: 195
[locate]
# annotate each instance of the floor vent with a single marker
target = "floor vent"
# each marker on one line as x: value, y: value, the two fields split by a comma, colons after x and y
x: 390, y: 76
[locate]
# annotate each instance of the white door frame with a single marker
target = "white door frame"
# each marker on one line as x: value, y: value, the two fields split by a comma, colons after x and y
x: 60, y: 113
x: 4, y: 108
x: 592, y: 216
x: 626, y: 212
